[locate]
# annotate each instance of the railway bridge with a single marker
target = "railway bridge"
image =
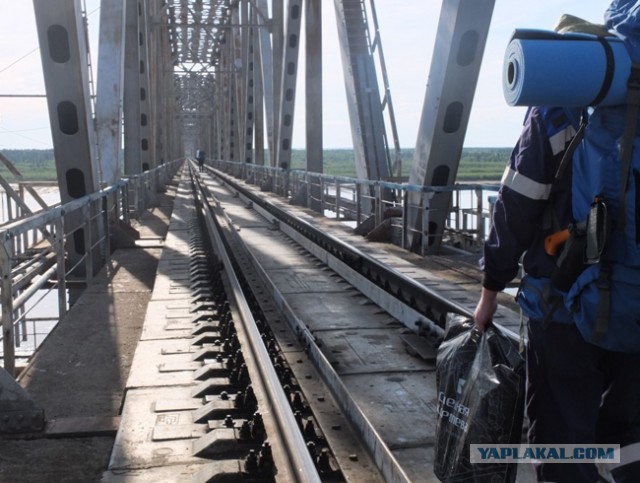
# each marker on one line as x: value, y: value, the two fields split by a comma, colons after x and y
x: 243, y: 320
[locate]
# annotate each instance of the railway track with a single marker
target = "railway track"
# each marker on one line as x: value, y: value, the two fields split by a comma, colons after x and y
x: 369, y: 330
x: 297, y: 357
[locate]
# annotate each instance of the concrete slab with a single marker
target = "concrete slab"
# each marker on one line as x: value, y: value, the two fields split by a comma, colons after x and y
x: 328, y: 312
x: 85, y: 370
x: 163, y: 322
x: 309, y: 281
x: 418, y: 463
x: 135, y: 446
x: 359, y: 351
x: 401, y: 407
x: 152, y: 355
x: 267, y: 247
x: 244, y: 217
x: 54, y: 460
x: 78, y: 376
x: 201, y: 471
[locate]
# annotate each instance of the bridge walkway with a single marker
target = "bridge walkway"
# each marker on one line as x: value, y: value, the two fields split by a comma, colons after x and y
x: 79, y: 375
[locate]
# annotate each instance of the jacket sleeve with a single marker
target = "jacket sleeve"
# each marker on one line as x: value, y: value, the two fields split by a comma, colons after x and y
x: 522, y: 200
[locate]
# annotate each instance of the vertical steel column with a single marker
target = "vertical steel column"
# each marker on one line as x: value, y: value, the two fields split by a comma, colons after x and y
x: 234, y: 97
x: 225, y: 84
x: 218, y: 112
x: 258, y: 89
x: 289, y: 77
x: 158, y: 42
x: 109, y: 95
x: 6, y: 300
x: 363, y: 95
x: 313, y: 30
x: 460, y: 41
x: 58, y: 246
x: 147, y: 154
x: 264, y: 61
x: 132, y: 108
x: 277, y: 32
x: 64, y: 53
x: 246, y: 131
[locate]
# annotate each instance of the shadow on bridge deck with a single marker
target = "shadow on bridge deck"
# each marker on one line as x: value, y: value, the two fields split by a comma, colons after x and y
x: 79, y: 375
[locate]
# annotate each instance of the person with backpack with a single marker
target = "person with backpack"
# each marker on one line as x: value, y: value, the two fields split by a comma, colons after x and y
x: 200, y: 158
x: 568, y: 208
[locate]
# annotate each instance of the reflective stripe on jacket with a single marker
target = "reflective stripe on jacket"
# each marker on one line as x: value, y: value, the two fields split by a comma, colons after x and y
x: 522, y: 217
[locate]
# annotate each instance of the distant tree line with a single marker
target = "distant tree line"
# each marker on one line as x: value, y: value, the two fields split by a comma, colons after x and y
x: 475, y: 164
x: 33, y: 164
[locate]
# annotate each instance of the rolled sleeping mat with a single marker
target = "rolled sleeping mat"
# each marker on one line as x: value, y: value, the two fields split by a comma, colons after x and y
x: 544, y: 68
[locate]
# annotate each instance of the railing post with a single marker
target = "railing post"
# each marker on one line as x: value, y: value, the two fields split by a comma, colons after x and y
x: 287, y: 182
x: 147, y: 192
x: 337, y: 199
x: 88, y: 260
x: 137, y: 194
x: 6, y: 298
x: 126, y: 208
x: 378, y: 203
x: 358, y: 203
x: 60, y: 267
x: 107, y: 228
x: 424, y: 235
x: 133, y: 204
x: 405, y: 218
x: 479, y: 216
x: 322, y: 196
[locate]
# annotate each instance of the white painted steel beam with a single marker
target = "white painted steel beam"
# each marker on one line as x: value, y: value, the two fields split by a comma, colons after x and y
x: 110, y: 89
x: 313, y: 90
x: 264, y: 61
x: 132, y: 107
x: 459, y: 47
x: 286, y: 109
x: 364, y: 102
x: 64, y: 54
x: 66, y: 74
x: 147, y: 151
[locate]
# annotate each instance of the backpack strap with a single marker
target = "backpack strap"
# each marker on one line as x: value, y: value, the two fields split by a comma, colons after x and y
x: 609, y: 72
x: 550, y: 220
x: 626, y: 147
x: 573, y: 145
x: 626, y: 151
x: 604, y: 303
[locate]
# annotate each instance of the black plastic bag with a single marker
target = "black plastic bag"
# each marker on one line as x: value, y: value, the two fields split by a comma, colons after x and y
x: 480, y: 378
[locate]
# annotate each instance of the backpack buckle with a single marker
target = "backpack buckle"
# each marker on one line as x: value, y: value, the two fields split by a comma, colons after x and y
x: 597, y: 230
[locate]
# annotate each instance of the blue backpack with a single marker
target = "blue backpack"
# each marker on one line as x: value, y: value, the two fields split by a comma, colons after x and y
x: 599, y: 268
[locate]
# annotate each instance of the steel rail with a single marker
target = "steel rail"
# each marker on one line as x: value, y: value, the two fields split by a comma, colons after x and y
x: 437, y: 305
x: 302, y: 468
x: 383, y: 457
x: 345, y: 260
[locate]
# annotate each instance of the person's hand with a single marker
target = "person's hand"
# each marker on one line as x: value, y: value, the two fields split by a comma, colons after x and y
x: 485, y: 309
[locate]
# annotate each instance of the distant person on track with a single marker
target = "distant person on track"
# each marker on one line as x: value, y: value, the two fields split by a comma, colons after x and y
x: 200, y: 158
x: 577, y: 392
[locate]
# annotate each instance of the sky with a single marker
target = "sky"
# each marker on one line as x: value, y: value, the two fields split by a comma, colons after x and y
x: 408, y: 31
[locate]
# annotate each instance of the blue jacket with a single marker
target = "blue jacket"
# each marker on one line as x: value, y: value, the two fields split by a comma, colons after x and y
x: 531, y: 205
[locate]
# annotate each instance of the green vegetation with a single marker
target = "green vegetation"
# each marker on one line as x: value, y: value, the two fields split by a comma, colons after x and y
x: 479, y: 164
x: 33, y: 164
x: 486, y: 164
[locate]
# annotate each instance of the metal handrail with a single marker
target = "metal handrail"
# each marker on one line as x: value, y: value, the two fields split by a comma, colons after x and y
x: 99, y: 209
x: 467, y: 225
